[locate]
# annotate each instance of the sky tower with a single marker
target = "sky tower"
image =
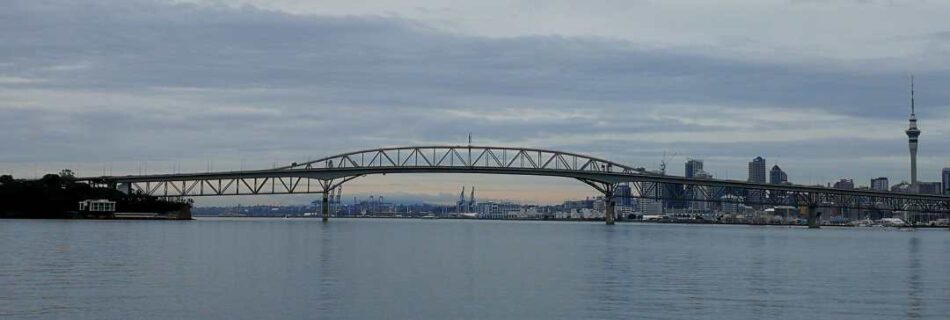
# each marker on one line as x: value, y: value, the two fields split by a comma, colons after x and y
x: 912, y: 134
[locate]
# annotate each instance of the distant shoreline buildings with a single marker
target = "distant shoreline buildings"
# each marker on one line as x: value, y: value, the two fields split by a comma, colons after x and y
x: 672, y: 202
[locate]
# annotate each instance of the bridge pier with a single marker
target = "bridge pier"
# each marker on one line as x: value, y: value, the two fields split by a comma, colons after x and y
x: 813, y: 217
x: 325, y: 208
x: 610, y: 205
x: 609, y: 209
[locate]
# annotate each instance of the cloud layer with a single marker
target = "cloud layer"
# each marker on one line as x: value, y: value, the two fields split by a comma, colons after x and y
x: 194, y: 86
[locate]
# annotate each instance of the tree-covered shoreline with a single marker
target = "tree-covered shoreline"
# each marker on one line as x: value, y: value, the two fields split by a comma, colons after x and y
x: 57, y: 196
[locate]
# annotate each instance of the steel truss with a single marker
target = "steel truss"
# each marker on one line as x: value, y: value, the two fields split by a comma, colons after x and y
x: 223, y: 186
x: 322, y: 175
x: 466, y: 156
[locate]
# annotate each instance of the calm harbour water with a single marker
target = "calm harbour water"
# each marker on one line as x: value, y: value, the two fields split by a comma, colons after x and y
x: 446, y: 269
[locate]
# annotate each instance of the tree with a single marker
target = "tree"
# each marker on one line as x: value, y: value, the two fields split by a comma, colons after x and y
x: 52, y: 180
x: 67, y: 174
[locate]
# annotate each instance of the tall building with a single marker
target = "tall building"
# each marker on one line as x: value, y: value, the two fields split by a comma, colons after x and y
x: 879, y: 184
x: 946, y: 181
x: 912, y: 134
x: 929, y: 187
x: 757, y: 170
x: 700, y: 194
x: 675, y: 195
x: 731, y: 203
x: 756, y: 175
x: 777, y: 176
x: 694, y: 169
x: 693, y: 166
x: 623, y: 195
x: 651, y: 201
x: 844, y: 184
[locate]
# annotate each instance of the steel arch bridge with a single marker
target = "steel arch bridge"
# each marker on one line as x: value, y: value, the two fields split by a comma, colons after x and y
x: 326, y: 174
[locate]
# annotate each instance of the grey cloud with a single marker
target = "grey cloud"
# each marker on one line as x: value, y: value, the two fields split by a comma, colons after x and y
x: 223, y: 82
x: 385, y: 61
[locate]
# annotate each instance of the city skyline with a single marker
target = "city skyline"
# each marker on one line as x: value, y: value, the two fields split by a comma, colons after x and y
x: 171, y: 103
x: 491, y: 159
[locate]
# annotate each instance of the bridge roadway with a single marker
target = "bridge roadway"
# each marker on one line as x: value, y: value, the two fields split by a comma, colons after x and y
x: 326, y: 174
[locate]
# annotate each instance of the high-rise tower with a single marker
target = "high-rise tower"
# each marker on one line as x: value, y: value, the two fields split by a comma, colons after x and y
x: 693, y: 166
x: 945, y: 178
x: 912, y: 134
x: 777, y: 176
x: 757, y: 170
x: 756, y: 175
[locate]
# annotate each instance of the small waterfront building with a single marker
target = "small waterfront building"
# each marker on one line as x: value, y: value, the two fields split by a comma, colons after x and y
x: 98, y: 206
x: 497, y: 210
x: 530, y: 212
x: 625, y: 211
x: 651, y: 201
x: 584, y: 213
x: 730, y: 203
x: 651, y: 206
x: 785, y: 213
x: 600, y: 204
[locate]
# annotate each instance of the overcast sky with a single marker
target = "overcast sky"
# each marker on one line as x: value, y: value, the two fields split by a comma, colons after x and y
x: 819, y: 87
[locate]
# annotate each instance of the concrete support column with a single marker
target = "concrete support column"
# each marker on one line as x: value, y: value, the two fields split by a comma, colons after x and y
x: 814, y: 218
x: 607, y: 189
x: 609, y: 208
x: 325, y: 208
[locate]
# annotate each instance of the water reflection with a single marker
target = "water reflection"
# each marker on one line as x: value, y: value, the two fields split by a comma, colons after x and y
x: 914, y: 282
x: 757, y: 275
x: 608, y: 282
x: 405, y: 269
x: 328, y: 281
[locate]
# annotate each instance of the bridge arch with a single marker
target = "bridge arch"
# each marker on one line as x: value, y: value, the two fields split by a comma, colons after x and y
x: 460, y: 157
x: 469, y: 159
